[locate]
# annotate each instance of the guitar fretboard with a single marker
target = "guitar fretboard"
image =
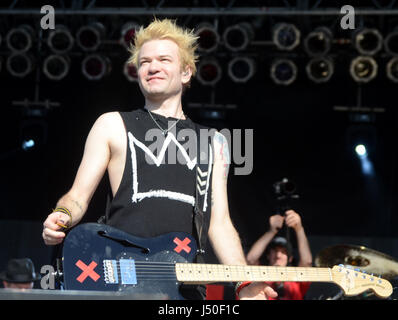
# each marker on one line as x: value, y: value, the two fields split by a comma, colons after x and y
x: 207, y: 273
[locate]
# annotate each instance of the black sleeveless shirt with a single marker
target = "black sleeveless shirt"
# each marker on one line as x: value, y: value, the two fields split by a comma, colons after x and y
x: 157, y: 191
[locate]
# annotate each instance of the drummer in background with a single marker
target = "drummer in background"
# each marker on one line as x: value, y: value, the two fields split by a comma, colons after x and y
x: 278, y: 252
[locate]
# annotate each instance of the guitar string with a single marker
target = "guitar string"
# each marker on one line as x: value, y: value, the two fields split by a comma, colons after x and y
x: 165, y: 271
x: 170, y: 275
x: 150, y: 267
x: 146, y: 265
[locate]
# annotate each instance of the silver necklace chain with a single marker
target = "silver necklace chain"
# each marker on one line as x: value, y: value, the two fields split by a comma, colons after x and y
x: 165, y: 131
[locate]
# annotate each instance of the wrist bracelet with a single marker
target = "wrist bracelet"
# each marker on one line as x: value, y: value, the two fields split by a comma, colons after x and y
x: 66, y: 211
x: 239, y: 286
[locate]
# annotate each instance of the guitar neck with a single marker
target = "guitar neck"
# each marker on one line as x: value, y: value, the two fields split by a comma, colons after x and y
x: 193, y: 273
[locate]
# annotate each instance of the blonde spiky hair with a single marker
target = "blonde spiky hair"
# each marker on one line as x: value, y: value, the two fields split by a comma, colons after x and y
x: 167, y: 29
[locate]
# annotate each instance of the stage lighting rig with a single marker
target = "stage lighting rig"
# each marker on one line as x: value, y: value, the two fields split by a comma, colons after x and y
x: 89, y: 37
x: 392, y: 69
x: 318, y: 42
x: 209, y: 72
x: 127, y: 33
x: 130, y: 71
x: 56, y: 67
x: 20, y: 39
x: 363, y: 69
x: 238, y: 37
x: 96, y: 67
x: 286, y: 36
x: 283, y: 71
x: 19, y: 65
x: 391, y: 42
x: 241, y: 69
x: 208, y: 37
x: 320, y: 70
x: 368, y: 41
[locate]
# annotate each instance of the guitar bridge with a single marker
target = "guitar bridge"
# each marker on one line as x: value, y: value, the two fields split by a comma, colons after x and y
x: 110, y: 272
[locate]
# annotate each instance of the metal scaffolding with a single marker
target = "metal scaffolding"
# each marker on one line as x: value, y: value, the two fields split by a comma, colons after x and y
x: 198, y: 11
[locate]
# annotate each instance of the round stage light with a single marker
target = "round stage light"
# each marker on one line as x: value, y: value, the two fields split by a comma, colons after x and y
x: 318, y: 42
x: 391, y: 42
x: 283, y: 71
x: 368, y: 41
x: 363, y: 69
x: 20, y: 39
x: 60, y: 40
x: 56, y: 67
x: 130, y: 72
x: 241, y: 69
x: 19, y: 65
x: 238, y: 37
x: 320, y: 70
x: 209, y: 72
x: 127, y: 33
x: 209, y: 38
x: 95, y: 67
x: 286, y: 36
x: 89, y: 37
x: 392, y: 69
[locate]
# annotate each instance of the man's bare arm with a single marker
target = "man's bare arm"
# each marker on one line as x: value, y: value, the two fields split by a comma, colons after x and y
x: 91, y: 170
x: 293, y: 220
x: 222, y: 234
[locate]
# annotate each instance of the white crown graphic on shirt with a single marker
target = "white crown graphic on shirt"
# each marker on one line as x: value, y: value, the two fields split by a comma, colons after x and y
x: 138, y: 196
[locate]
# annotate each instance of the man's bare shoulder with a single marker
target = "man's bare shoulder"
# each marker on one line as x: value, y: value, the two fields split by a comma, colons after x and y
x: 108, y: 127
x: 108, y: 118
x: 109, y: 121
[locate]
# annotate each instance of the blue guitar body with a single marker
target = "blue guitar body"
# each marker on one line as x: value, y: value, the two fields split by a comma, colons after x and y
x: 102, y: 258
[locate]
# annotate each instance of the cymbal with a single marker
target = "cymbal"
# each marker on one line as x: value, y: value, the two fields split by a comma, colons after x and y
x: 367, y: 260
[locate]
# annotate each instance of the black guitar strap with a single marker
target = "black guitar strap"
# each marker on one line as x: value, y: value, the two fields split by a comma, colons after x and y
x: 104, y: 219
x: 202, y: 208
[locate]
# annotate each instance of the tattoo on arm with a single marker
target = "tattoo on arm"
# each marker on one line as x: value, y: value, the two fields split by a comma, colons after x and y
x: 223, y: 152
x: 77, y: 204
x: 72, y: 204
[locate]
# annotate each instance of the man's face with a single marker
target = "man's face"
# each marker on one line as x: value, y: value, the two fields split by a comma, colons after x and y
x: 159, y: 70
x: 278, y: 256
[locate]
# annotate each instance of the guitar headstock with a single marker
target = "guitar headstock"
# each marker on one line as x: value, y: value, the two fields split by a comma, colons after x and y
x: 354, y: 282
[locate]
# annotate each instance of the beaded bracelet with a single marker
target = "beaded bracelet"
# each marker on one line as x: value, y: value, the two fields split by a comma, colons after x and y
x: 66, y: 211
x: 239, y: 286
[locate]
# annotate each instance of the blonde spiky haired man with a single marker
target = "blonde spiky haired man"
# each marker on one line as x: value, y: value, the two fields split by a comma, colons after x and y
x: 168, y: 29
x: 157, y: 197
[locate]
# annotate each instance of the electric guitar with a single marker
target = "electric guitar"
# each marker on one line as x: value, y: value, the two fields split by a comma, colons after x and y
x: 102, y: 258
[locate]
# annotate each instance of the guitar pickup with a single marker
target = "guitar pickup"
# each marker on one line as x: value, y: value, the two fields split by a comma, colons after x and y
x: 122, y: 271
